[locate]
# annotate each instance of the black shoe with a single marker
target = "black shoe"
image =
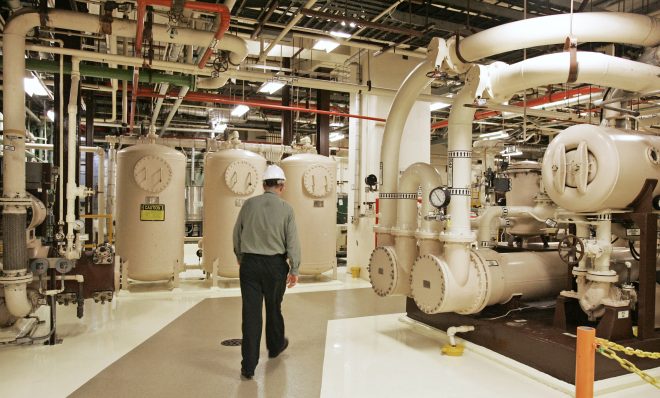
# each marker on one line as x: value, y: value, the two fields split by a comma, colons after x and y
x: 275, y: 354
x: 246, y: 375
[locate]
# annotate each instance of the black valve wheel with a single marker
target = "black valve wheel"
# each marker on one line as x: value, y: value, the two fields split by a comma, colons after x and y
x: 571, y: 249
x: 221, y: 63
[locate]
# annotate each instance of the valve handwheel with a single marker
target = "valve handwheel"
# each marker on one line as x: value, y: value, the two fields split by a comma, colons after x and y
x: 571, y: 249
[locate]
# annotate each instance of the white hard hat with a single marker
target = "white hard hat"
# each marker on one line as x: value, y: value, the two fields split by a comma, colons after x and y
x: 274, y: 172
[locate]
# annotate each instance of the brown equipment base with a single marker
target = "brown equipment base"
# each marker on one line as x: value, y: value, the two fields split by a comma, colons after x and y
x: 529, y: 337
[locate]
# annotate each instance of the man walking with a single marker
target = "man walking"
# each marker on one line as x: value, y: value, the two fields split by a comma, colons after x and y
x: 264, y: 236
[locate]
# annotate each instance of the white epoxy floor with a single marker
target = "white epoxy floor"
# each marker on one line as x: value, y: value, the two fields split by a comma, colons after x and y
x: 107, y: 332
x: 392, y: 356
x: 377, y: 356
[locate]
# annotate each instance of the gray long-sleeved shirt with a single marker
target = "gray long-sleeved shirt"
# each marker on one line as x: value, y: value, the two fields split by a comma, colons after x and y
x: 266, y: 225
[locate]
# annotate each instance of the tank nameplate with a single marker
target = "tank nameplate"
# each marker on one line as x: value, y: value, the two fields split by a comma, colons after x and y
x: 241, y: 177
x: 152, y: 212
x: 239, y: 202
x: 152, y: 173
x: 318, y: 203
x: 318, y: 181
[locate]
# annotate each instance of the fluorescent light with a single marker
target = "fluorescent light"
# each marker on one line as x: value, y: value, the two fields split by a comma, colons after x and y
x: 336, y: 137
x: 439, y: 105
x: 491, y: 134
x: 342, y: 35
x: 326, y: 45
x: 51, y: 115
x: 34, y: 87
x: 219, y: 127
x: 336, y: 124
x: 352, y: 24
x: 271, y: 86
x: 240, y: 110
x: 516, y: 153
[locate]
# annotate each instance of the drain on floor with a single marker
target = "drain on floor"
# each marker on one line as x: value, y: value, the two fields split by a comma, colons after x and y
x: 232, y: 342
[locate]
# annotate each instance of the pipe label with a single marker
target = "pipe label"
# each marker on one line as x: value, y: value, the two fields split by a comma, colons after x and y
x: 152, y: 212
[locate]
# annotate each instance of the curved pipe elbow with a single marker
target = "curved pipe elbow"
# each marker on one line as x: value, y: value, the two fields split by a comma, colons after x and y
x: 17, y: 301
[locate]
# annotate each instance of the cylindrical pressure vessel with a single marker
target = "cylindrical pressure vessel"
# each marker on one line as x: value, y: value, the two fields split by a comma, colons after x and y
x: 590, y: 168
x: 494, y: 279
x: 232, y: 177
x: 525, y: 185
x: 150, y: 210
x: 312, y: 192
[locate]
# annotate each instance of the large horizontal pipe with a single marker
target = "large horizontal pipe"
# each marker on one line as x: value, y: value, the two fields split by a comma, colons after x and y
x: 219, y: 99
x: 104, y: 72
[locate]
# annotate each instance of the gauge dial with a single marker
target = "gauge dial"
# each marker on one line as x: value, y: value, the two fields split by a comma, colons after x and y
x: 439, y: 197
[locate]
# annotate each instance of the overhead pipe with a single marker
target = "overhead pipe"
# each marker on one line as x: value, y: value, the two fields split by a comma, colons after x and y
x: 558, y: 96
x: 238, y: 74
x: 403, y: 102
x: 297, y: 17
x: 175, y: 107
x: 635, y: 29
x: 111, y: 41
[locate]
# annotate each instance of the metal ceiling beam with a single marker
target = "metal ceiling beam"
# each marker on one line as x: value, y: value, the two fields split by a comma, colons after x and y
x: 490, y: 9
x: 422, y: 21
x: 357, y: 21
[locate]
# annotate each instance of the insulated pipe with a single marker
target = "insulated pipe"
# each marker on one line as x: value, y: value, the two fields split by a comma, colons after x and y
x: 403, y: 102
x: 238, y: 74
x: 124, y: 92
x: 112, y: 160
x: 72, y: 192
x: 640, y: 30
x: 17, y: 300
x: 175, y: 107
x: 112, y: 49
x: 594, y: 68
x: 540, y: 212
x: 604, y: 241
x: 407, y: 228
x: 458, y: 235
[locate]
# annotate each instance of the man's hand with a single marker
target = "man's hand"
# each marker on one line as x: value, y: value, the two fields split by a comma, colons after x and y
x: 291, y: 280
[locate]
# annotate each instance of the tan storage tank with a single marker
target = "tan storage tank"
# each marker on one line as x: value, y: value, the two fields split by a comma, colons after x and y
x: 232, y: 176
x: 150, y: 211
x: 525, y: 185
x: 589, y: 168
x: 311, y: 190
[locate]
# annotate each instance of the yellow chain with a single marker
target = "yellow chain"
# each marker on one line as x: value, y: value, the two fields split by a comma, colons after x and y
x: 627, y: 350
x: 606, y: 348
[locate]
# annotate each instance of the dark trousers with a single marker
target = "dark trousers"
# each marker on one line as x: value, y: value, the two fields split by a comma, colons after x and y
x: 262, y: 278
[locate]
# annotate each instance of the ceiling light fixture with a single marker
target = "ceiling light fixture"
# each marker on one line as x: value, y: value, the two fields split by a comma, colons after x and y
x: 51, y: 115
x: 439, y: 105
x: 33, y: 86
x: 336, y: 137
x: 342, y: 35
x: 271, y: 86
x: 240, y: 110
x: 326, y: 45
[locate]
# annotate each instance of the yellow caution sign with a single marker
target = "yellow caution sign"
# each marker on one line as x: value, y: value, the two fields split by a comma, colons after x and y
x: 152, y: 212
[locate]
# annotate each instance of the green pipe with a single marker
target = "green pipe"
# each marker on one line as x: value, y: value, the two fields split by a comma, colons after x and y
x: 104, y: 72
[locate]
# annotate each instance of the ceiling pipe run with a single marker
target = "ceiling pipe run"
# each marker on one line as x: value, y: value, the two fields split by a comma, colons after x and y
x: 205, y: 97
x: 558, y: 96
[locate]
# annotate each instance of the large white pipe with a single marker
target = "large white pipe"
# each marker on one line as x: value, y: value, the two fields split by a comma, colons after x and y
x: 407, y: 229
x: 403, y: 102
x: 593, y: 68
x: 607, y: 27
x: 72, y: 191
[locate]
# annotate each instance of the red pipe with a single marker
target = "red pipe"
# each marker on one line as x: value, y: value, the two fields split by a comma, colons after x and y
x: 221, y: 9
x: 535, y: 102
x: 206, y: 97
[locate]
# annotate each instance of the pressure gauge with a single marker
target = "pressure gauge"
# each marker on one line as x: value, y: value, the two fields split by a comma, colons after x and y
x: 439, y: 197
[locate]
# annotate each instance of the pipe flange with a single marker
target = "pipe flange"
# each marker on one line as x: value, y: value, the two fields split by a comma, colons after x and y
x: 426, y: 235
x: 24, y: 201
x: 8, y: 279
x: 579, y: 272
x: 402, y: 232
x: 382, y: 230
x: 482, y: 275
x: 383, y: 270
x: 428, y: 284
x: 603, y: 276
x: 457, y: 237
